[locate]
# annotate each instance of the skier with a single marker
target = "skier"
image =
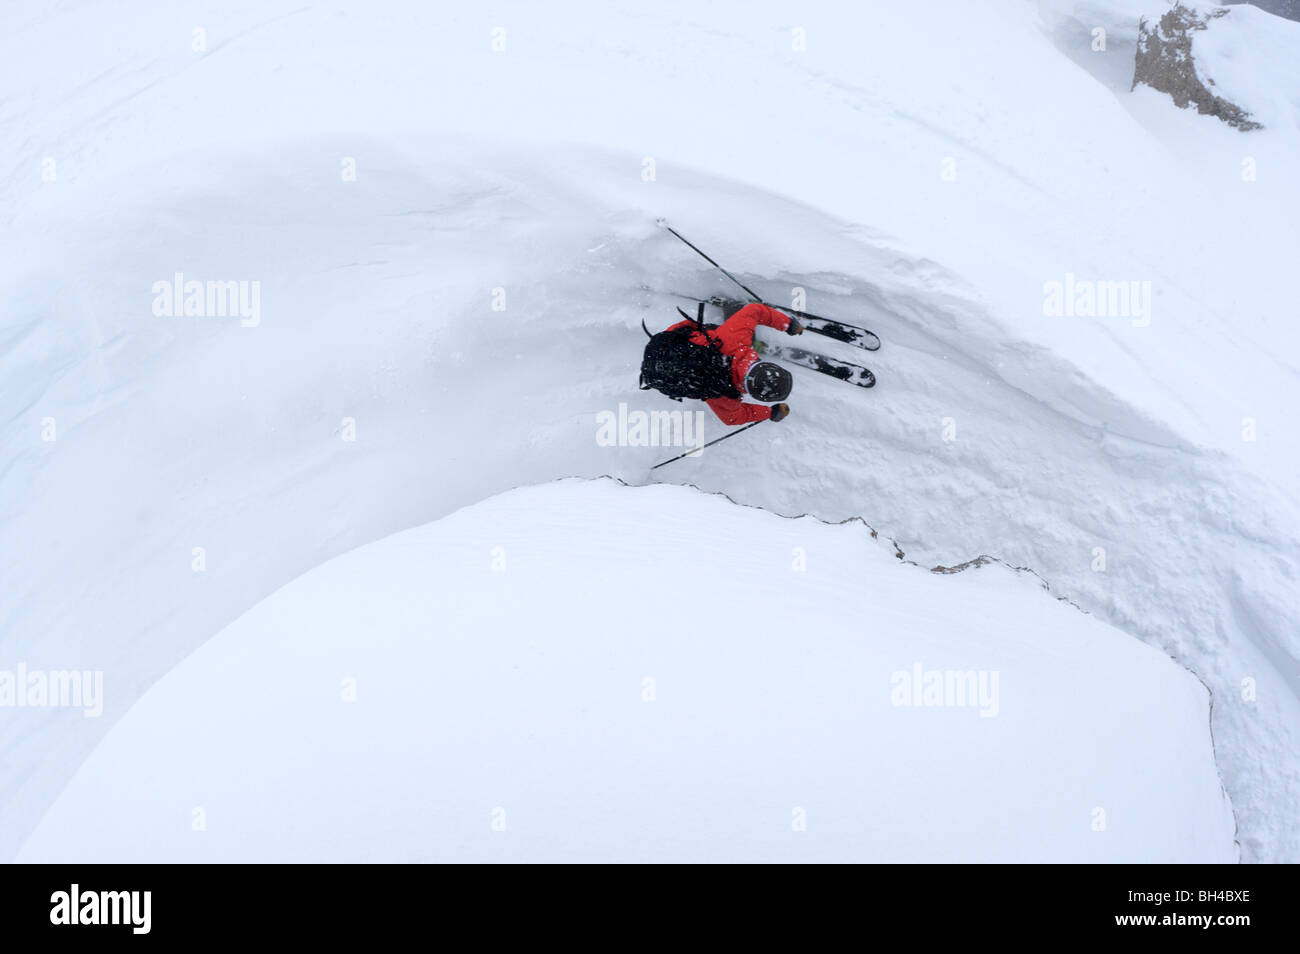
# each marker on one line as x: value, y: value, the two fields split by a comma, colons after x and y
x: 718, y: 364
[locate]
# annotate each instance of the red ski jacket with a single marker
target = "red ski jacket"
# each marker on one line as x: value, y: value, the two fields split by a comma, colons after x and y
x: 736, y: 338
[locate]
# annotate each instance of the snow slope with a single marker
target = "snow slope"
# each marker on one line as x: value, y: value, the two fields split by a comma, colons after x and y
x: 523, y: 170
x: 406, y: 701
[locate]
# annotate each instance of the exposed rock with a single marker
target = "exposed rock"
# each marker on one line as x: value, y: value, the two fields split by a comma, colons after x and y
x: 1164, y: 62
x: 1289, y: 9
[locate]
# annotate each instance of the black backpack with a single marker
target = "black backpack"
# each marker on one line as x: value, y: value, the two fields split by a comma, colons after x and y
x: 678, y: 368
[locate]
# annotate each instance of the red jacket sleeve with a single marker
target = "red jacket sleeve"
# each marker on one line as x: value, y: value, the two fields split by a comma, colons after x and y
x: 738, y: 330
x: 731, y: 411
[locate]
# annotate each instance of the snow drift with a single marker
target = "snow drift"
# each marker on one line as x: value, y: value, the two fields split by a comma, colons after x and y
x: 388, y: 177
x: 591, y: 672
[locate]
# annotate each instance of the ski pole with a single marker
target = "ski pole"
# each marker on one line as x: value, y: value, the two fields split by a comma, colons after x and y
x: 698, y: 251
x: 789, y: 311
x: 709, y: 444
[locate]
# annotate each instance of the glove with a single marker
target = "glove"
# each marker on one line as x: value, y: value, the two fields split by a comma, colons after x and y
x: 795, y: 327
x: 780, y: 411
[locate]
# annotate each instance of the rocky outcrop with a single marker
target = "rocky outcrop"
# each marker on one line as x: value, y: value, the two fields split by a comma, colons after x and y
x: 1165, y: 62
x: 1289, y: 9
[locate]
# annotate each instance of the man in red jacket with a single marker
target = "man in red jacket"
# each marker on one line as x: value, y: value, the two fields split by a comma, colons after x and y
x: 749, y: 375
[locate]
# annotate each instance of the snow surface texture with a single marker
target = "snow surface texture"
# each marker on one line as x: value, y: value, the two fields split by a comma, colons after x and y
x: 760, y: 717
x: 524, y: 170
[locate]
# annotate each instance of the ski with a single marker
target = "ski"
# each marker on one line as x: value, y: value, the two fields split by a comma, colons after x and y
x: 839, y: 330
x: 827, y: 327
x: 842, y: 370
x: 855, y: 335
